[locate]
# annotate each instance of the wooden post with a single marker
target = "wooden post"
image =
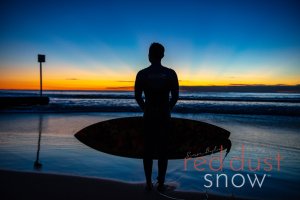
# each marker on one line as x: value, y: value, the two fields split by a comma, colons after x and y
x: 41, y: 59
x: 41, y: 80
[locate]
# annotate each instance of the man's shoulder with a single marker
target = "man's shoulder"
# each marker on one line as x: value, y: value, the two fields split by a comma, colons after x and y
x: 143, y: 71
x: 164, y: 69
x: 169, y: 70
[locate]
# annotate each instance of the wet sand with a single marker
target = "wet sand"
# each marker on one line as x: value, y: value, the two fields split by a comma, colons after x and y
x: 29, y: 185
x: 62, y: 153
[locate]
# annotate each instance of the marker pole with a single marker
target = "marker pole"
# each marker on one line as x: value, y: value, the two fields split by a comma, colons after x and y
x: 41, y: 80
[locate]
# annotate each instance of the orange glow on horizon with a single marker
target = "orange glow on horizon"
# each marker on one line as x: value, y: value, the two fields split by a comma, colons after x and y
x: 103, y: 84
x: 74, y: 78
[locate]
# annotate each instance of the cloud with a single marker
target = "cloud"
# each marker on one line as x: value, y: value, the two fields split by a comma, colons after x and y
x: 184, y: 80
x: 237, y: 84
x: 125, y: 81
x: 72, y: 79
x: 120, y: 88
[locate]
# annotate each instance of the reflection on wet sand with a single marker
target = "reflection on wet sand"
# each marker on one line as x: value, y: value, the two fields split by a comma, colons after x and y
x: 37, y: 165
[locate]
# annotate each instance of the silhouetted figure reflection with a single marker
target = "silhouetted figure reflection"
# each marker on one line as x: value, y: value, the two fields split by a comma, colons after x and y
x: 157, y: 82
x: 37, y: 165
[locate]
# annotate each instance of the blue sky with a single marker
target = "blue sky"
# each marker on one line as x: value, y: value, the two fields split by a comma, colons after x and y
x: 207, y: 42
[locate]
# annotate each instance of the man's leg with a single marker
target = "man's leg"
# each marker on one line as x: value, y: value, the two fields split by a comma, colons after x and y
x: 163, y: 150
x: 148, y: 162
x: 162, y: 169
x: 148, y: 152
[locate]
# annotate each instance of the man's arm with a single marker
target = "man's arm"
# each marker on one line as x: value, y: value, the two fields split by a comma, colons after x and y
x: 138, y: 91
x: 174, y: 90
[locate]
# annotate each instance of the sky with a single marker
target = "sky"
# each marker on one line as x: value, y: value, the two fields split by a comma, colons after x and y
x: 95, y: 45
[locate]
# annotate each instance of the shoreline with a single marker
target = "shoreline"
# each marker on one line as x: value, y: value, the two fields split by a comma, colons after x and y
x: 35, y: 185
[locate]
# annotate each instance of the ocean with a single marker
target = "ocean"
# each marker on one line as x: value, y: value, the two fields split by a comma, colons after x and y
x: 189, y: 102
x: 264, y: 133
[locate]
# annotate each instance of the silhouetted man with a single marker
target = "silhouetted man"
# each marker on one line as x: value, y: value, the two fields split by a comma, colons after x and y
x: 157, y: 82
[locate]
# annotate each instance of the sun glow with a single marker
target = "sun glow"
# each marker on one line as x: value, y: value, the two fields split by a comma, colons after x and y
x: 75, y: 78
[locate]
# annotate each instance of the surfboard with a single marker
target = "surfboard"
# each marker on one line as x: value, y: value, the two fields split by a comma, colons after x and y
x: 124, y: 137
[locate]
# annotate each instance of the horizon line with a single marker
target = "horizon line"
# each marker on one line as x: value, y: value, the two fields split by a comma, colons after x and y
x: 196, y: 88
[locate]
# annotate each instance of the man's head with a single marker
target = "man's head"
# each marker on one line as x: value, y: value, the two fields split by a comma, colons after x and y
x: 156, y: 52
